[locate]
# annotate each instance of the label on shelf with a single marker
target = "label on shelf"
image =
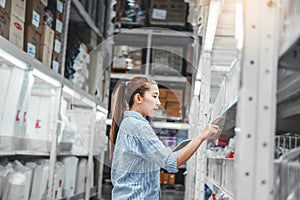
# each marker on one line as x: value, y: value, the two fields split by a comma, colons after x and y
x: 55, y: 66
x: 57, y: 46
x: 159, y: 14
x: 60, y: 6
x: 35, y: 19
x: 31, y: 49
x: 58, y: 26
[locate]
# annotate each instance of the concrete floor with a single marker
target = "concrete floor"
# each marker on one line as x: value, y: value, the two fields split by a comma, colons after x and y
x: 168, y: 193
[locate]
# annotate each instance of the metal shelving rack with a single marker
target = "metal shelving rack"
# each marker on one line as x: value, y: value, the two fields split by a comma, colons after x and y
x: 84, y: 17
x: 63, y: 89
x: 270, y: 43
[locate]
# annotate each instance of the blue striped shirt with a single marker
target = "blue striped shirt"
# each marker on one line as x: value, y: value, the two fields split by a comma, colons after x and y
x: 138, y: 157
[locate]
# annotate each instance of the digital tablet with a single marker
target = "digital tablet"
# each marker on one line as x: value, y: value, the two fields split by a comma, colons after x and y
x: 182, y: 144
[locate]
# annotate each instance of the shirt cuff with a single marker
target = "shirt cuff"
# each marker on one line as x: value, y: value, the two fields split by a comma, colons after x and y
x: 171, y: 165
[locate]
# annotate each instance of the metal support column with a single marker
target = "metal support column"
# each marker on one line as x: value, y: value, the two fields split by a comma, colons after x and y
x: 191, y: 164
x: 256, y: 112
x: 203, y: 120
x: 90, y: 168
x: 149, y: 44
x: 53, y: 150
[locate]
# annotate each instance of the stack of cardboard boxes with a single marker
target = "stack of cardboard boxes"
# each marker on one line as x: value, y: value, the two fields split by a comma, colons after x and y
x: 171, y: 100
x: 12, y: 14
x: 167, y: 178
x: 22, y: 23
x: 57, y: 8
x: 33, y: 27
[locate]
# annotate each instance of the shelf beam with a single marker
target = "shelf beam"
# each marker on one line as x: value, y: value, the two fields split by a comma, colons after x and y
x: 86, y: 17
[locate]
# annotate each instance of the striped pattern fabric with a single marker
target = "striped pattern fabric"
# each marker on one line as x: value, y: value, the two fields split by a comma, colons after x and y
x: 138, y: 157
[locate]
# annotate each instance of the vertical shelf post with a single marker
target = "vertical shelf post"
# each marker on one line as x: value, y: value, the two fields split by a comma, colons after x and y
x: 256, y: 112
x: 90, y: 167
x: 203, y: 120
x: 53, y: 148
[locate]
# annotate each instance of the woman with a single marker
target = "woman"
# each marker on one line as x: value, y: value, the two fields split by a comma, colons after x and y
x: 138, y: 154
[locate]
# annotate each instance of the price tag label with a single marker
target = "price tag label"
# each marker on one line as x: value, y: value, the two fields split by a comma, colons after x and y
x: 35, y: 19
x: 31, y: 49
x: 55, y: 65
x: 58, y: 26
x: 159, y: 14
x: 60, y: 6
x: 57, y: 46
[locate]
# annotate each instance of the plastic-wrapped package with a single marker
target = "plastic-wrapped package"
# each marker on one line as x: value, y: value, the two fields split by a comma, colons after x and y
x: 81, y: 176
x: 28, y: 175
x: 15, y: 186
x: 40, y: 118
x: 39, y: 183
x: 58, y: 180
x: 82, y: 120
x: 70, y: 173
x: 11, y: 83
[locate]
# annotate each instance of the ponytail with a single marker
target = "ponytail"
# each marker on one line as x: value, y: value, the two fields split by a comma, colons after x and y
x: 118, y: 108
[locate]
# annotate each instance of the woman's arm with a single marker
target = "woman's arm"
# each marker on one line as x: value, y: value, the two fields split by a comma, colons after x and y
x: 185, y: 153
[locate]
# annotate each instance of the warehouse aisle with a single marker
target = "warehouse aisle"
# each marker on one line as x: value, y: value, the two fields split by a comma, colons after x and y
x: 167, y: 193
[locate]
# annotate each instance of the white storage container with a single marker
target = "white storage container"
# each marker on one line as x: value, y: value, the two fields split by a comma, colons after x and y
x: 21, y: 124
x: 11, y: 81
x: 65, y: 130
x: 39, y: 183
x: 15, y: 186
x: 40, y: 119
x: 58, y: 180
x: 100, y: 134
x: 81, y: 176
x: 70, y: 174
x: 19, y: 167
x: 82, y: 120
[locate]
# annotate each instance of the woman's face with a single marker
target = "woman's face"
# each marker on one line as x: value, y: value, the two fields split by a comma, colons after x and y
x: 150, y: 101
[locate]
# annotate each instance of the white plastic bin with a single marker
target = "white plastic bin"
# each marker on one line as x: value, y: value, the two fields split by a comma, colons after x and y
x: 11, y: 82
x: 70, y: 174
x: 81, y: 176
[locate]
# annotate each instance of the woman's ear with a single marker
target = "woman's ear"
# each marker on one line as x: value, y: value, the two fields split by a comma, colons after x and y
x: 138, y: 98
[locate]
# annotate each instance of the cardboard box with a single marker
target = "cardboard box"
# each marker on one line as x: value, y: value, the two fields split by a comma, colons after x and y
x: 4, y: 24
x: 47, y: 36
x: 163, y: 93
x: 5, y: 6
x: 34, y: 14
x: 45, y: 54
x: 31, y: 41
x: 173, y: 105
x: 174, y: 96
x: 18, y: 9
x: 166, y: 178
x: 161, y: 176
x: 16, y: 31
x: 172, y: 179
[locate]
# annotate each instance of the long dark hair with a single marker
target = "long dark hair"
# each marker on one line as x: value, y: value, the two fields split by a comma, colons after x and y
x: 124, y: 100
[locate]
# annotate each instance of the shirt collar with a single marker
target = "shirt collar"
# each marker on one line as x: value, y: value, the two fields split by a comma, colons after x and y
x: 134, y: 114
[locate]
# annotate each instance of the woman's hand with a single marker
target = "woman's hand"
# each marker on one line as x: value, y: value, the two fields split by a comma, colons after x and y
x: 211, y: 130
